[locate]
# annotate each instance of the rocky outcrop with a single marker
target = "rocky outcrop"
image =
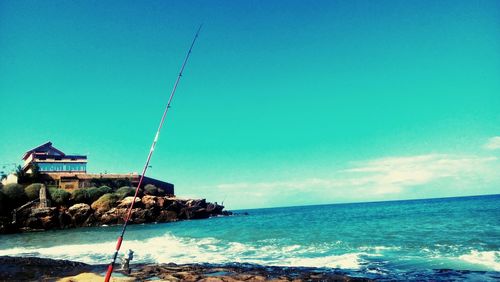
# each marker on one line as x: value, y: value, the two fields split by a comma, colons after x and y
x: 43, y: 269
x: 147, y: 209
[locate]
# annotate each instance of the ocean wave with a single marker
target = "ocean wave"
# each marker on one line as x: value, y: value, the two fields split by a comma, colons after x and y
x: 169, y: 248
x: 490, y: 259
x: 345, y: 261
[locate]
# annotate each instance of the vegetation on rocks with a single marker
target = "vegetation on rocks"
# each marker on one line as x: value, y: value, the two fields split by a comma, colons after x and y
x: 152, y: 190
x: 94, y: 206
x: 59, y: 197
x: 125, y: 191
x: 80, y: 195
x: 105, y: 202
x: 89, y: 195
x: 33, y: 191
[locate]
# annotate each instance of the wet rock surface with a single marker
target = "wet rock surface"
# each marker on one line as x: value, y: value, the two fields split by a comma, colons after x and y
x: 40, y: 269
x: 235, y: 272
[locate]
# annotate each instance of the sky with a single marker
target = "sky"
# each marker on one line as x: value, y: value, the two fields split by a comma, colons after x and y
x: 281, y: 103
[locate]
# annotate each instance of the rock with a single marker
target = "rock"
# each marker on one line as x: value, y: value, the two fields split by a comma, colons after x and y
x: 201, y: 214
x: 79, y: 213
x: 33, y: 223
x: 185, y: 213
x: 173, y: 205
x: 65, y: 220
x: 149, y: 202
x: 211, y: 279
x: 49, y: 222
x: 109, y: 210
x: 139, y: 216
x: 187, y: 276
x: 166, y: 216
x: 91, y: 220
x: 125, y: 203
x: 109, y: 217
x: 43, y: 218
x: 160, y: 202
x: 105, y: 203
x: 169, y: 277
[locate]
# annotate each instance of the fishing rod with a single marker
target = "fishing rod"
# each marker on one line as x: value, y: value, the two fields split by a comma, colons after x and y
x: 146, y: 165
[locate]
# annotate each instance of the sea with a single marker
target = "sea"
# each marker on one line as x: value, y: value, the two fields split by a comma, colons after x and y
x: 431, y: 239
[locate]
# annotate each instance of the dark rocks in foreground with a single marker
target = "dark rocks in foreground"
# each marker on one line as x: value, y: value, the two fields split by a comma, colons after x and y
x: 147, y: 209
x: 38, y: 269
x: 236, y: 272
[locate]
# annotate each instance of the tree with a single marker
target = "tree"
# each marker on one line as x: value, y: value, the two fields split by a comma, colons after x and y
x: 35, y: 173
x: 22, y: 177
x: 15, y: 194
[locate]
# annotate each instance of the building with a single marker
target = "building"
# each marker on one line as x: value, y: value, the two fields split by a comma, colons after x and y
x: 69, y: 172
x: 52, y: 160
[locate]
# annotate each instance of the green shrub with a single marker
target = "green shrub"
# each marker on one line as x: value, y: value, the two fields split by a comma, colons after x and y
x: 33, y: 191
x: 89, y: 195
x: 59, y: 197
x: 15, y: 194
x: 95, y: 193
x: 150, y: 189
x: 105, y: 202
x: 125, y: 191
x: 80, y: 195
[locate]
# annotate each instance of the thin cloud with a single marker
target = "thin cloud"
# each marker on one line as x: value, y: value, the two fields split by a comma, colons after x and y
x: 493, y: 143
x: 374, y: 178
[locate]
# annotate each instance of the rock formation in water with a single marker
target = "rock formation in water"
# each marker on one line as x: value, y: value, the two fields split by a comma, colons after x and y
x: 147, y: 209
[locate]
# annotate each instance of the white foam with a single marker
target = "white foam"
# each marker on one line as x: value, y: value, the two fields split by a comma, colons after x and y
x: 490, y: 259
x: 346, y: 261
x: 168, y: 248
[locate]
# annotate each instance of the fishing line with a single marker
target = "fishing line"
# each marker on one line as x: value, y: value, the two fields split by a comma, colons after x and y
x: 155, y: 140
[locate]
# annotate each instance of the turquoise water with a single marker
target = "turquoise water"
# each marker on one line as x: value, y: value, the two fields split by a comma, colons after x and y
x: 372, y: 239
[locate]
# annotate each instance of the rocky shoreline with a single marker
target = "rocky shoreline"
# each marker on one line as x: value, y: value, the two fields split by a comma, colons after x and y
x: 41, y: 269
x: 147, y: 209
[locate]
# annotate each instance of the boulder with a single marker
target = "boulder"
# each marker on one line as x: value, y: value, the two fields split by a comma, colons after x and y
x: 79, y: 213
x: 166, y: 216
x: 115, y: 216
x: 105, y: 203
x: 125, y: 203
x: 149, y: 201
x: 42, y: 218
x: 160, y: 202
x: 139, y: 216
x: 200, y: 213
x: 65, y: 220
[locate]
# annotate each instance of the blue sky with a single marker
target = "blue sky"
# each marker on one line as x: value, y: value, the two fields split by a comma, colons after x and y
x: 304, y: 103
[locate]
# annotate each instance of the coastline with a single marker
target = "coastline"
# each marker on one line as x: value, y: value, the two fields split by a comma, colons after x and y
x: 43, y: 269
